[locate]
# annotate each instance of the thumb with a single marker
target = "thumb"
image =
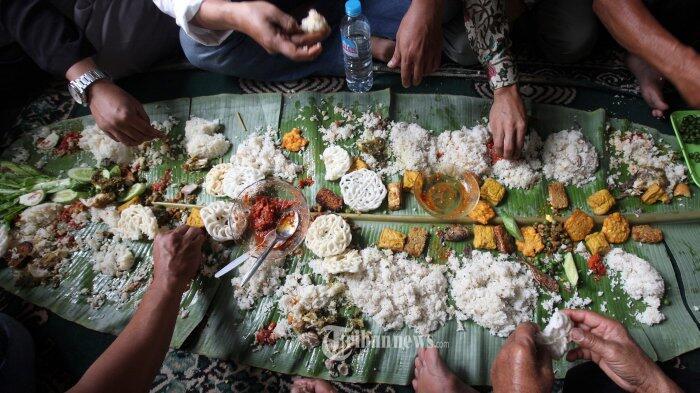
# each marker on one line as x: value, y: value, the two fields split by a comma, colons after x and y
x: 286, y: 23
x: 588, y: 340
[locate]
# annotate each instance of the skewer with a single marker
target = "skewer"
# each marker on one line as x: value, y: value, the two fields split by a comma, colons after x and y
x: 178, y: 205
x: 240, y: 118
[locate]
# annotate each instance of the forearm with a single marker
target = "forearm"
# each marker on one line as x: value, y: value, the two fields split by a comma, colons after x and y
x: 219, y: 15
x: 658, y: 382
x: 137, y: 354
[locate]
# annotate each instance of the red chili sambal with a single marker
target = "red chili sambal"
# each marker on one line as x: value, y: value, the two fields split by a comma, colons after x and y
x: 266, y: 212
x: 596, y: 265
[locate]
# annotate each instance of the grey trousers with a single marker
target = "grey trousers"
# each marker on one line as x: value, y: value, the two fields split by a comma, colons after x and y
x: 16, y: 357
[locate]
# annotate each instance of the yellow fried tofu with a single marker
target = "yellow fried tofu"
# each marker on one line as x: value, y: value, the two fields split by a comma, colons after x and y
x: 133, y: 201
x: 557, y: 196
x: 391, y: 239
x: 195, y: 219
x: 394, y: 196
x: 409, y: 177
x: 492, y: 191
x: 357, y: 164
x: 482, y: 213
x: 531, y: 244
x: 293, y: 141
x: 578, y: 225
x: 616, y: 228
x: 681, y: 190
x: 653, y: 194
x: 597, y: 244
x: 484, y: 237
x: 601, y: 201
x: 415, y: 244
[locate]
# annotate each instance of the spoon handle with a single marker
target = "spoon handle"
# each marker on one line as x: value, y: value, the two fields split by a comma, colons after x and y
x: 257, y: 264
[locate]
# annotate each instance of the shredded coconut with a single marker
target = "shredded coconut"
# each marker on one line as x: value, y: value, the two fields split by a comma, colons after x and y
x: 569, y: 158
x: 104, y: 148
x: 260, y: 152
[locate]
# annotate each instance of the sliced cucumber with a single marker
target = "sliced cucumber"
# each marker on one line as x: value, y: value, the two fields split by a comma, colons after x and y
x: 135, y: 190
x: 115, y: 171
x: 512, y: 227
x: 83, y: 175
x: 65, y: 196
x: 570, y: 269
x: 32, y: 198
x: 106, y: 173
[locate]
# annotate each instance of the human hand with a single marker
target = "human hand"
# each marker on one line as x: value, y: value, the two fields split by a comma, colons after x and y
x: 418, y: 48
x: 507, y: 122
x: 607, y: 343
x: 520, y: 366
x: 274, y: 30
x: 177, y: 255
x: 119, y: 114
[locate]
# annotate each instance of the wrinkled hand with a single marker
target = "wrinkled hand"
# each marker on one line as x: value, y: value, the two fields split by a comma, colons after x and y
x: 418, y: 42
x: 275, y: 31
x: 120, y: 115
x: 176, y: 257
x: 607, y: 343
x: 507, y: 122
x: 519, y: 366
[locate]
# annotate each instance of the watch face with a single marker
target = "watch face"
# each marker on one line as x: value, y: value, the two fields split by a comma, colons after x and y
x: 75, y: 94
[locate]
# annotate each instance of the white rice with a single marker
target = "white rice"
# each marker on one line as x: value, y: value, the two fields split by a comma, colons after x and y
x: 462, y: 151
x: 569, y: 158
x: 412, y: 146
x: 260, y: 151
x: 203, y: 140
x: 104, y: 148
x: 525, y: 172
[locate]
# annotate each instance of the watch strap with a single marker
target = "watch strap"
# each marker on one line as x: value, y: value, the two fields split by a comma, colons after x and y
x: 83, y: 82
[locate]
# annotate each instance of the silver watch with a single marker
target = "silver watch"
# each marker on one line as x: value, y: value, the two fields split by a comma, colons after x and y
x: 78, y: 87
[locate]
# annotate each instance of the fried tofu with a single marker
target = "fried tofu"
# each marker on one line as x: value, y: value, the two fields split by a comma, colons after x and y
x: 415, y: 244
x: 492, y: 191
x: 482, y: 213
x: 597, y: 244
x: 557, y: 196
x: 293, y: 141
x: 647, y: 234
x: 653, y: 194
x: 357, y: 164
x: 484, y: 237
x: 601, y: 201
x: 578, y: 225
x: 531, y: 244
x: 616, y: 228
x: 394, y: 196
x: 504, y: 241
x: 409, y: 178
x: 195, y: 219
x: 682, y: 190
x: 391, y: 239
x: 329, y: 200
x: 133, y: 201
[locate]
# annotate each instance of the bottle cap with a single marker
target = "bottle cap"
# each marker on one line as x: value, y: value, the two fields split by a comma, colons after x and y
x: 353, y: 8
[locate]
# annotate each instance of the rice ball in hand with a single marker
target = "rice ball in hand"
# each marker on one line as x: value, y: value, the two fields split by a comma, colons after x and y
x: 314, y: 23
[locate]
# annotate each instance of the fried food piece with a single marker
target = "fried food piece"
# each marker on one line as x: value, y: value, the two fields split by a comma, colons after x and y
x: 597, y: 244
x: 293, y: 141
x: 482, y: 213
x: 409, y: 177
x: 492, y: 191
x: 557, y: 196
x: 504, y: 242
x: 329, y: 200
x: 357, y: 164
x: 415, y: 244
x: 195, y: 219
x: 531, y: 244
x: 578, y: 225
x: 484, y: 237
x: 456, y: 233
x: 601, y: 201
x: 133, y: 201
x: 391, y: 239
x: 394, y: 196
x: 682, y: 190
x: 647, y: 234
x: 653, y: 194
x: 616, y: 228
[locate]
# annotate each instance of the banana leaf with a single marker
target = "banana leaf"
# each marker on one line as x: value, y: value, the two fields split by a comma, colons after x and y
x: 682, y: 243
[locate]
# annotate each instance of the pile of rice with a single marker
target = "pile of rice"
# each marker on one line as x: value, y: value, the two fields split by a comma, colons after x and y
x: 569, y: 158
x: 640, y: 281
x: 412, y: 146
x: 646, y: 161
x: 103, y: 148
x: 113, y: 258
x: 203, y: 140
x: 463, y: 151
x: 300, y: 299
x: 493, y: 291
x: 339, y: 129
x: 261, y: 152
x: 264, y: 282
x: 525, y: 172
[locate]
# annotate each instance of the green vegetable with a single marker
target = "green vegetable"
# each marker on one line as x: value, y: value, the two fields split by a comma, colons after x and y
x: 32, y: 198
x: 83, y: 175
x: 106, y: 173
x: 570, y: 269
x: 115, y: 171
x: 512, y: 226
x: 52, y: 186
x: 64, y: 196
x: 135, y: 190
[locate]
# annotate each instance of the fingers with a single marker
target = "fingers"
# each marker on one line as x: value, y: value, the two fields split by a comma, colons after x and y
x: 417, y: 73
x: 395, y: 61
x: 148, y: 127
x: 406, y: 71
x: 194, y: 235
x: 591, y: 342
x: 497, y: 136
x: 297, y: 53
x: 508, y: 143
x: 284, y: 21
x: 308, y: 39
x: 520, y: 130
x: 587, y: 318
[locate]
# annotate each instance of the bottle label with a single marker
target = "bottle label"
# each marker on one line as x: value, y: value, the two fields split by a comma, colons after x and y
x: 349, y: 47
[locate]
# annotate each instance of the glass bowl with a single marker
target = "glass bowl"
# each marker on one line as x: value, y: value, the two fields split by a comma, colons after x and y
x: 280, y: 190
x: 447, y: 197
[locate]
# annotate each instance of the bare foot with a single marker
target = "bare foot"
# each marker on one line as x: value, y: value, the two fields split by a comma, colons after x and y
x: 382, y: 48
x: 651, y: 83
x: 431, y: 374
x: 309, y: 385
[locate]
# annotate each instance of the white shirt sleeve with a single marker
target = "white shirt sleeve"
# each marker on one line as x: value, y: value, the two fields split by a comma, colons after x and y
x: 183, y: 11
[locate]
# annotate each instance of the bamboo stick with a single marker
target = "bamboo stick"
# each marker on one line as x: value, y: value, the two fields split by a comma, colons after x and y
x: 178, y: 205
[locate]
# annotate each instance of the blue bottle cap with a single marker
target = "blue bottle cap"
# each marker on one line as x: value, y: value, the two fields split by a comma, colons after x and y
x: 353, y: 8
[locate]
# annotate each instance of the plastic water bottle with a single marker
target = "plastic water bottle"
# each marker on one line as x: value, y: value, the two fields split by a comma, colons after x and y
x: 357, y: 48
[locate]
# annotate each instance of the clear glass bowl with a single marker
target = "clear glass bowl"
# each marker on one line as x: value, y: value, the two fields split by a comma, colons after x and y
x: 447, y: 197
x: 281, y: 190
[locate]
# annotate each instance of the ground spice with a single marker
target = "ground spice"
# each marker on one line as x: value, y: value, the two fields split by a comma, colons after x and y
x: 596, y: 265
x: 68, y: 144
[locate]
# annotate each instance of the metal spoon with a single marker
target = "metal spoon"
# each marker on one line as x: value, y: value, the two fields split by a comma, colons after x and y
x: 286, y: 227
x: 241, y: 259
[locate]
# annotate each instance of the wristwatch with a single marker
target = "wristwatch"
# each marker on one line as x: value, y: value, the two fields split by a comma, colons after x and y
x: 78, y: 87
